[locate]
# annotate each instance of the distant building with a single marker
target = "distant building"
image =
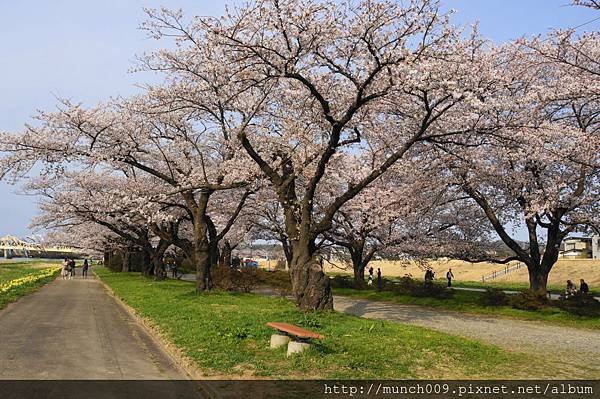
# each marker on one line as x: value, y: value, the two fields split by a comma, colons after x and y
x: 578, y: 248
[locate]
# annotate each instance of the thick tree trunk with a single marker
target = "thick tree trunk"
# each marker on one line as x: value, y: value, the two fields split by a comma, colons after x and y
x: 202, y: 260
x: 126, y: 262
x: 147, y: 265
x: 359, y: 269
x: 287, y: 251
x: 157, y: 259
x: 225, y: 256
x: 202, y: 252
x: 310, y: 286
x: 215, y: 254
x: 538, y: 280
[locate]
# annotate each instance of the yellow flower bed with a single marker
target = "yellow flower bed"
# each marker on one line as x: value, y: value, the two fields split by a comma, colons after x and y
x: 43, y: 273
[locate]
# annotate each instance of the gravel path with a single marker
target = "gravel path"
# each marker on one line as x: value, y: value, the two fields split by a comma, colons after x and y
x: 575, y: 348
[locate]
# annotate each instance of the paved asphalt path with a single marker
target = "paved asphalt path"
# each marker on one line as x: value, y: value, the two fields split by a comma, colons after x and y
x: 73, y: 329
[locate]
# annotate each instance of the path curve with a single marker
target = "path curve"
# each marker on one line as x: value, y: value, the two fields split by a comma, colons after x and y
x: 577, y: 347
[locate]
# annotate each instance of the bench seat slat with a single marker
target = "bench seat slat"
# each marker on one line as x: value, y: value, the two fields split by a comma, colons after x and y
x: 295, y: 330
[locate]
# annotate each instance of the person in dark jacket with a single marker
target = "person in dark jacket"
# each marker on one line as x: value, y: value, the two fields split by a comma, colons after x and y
x: 428, y: 278
x: 84, y: 269
x: 583, y: 287
x: 72, y: 267
x: 449, y: 276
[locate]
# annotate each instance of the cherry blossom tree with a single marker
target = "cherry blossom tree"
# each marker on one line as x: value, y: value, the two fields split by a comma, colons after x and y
x: 368, y: 77
x: 410, y: 212
x: 144, y: 136
x: 587, y: 3
x: 118, y: 204
x: 92, y: 239
x: 540, y: 169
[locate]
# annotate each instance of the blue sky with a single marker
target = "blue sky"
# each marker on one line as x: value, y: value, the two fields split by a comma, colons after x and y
x: 83, y: 49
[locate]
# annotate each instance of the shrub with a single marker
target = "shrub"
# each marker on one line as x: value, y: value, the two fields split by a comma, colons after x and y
x: 493, y: 297
x: 581, y: 305
x: 279, y: 280
x: 114, y: 262
x: 244, y: 279
x: 406, y: 285
x: 433, y: 290
x: 528, y: 300
x: 280, y: 265
x: 342, y: 282
x: 187, y: 266
x: 223, y: 278
x: 409, y: 286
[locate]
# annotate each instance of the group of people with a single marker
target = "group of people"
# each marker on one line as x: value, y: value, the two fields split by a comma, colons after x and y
x: 572, y: 288
x: 174, y: 269
x: 69, y: 267
x: 430, y: 275
x: 370, y: 281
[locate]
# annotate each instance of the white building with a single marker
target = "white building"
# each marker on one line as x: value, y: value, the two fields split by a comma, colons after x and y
x: 576, y: 248
x: 596, y: 246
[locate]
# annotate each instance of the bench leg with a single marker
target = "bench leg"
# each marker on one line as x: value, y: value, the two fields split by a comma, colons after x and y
x: 279, y: 340
x: 296, y: 347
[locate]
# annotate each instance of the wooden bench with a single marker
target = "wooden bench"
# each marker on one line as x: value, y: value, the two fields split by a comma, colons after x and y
x: 290, y: 329
x: 295, y: 330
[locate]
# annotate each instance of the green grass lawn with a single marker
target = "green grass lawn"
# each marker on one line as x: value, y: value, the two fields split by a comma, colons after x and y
x: 13, y: 271
x: 468, y: 301
x: 226, y: 336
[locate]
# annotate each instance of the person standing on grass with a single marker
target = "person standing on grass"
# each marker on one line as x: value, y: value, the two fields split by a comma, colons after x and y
x: 449, y: 276
x: 378, y: 279
x: 84, y: 269
x: 583, y: 287
x: 428, y: 278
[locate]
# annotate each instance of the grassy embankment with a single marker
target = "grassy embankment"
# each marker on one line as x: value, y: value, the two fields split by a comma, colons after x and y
x: 471, y: 273
x: 225, y: 335
x: 22, y: 278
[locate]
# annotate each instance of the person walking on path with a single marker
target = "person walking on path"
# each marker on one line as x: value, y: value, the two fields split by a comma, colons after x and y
x: 65, y: 271
x: 84, y: 269
x: 583, y: 287
x: 72, y: 267
x: 379, y: 279
x: 449, y: 276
